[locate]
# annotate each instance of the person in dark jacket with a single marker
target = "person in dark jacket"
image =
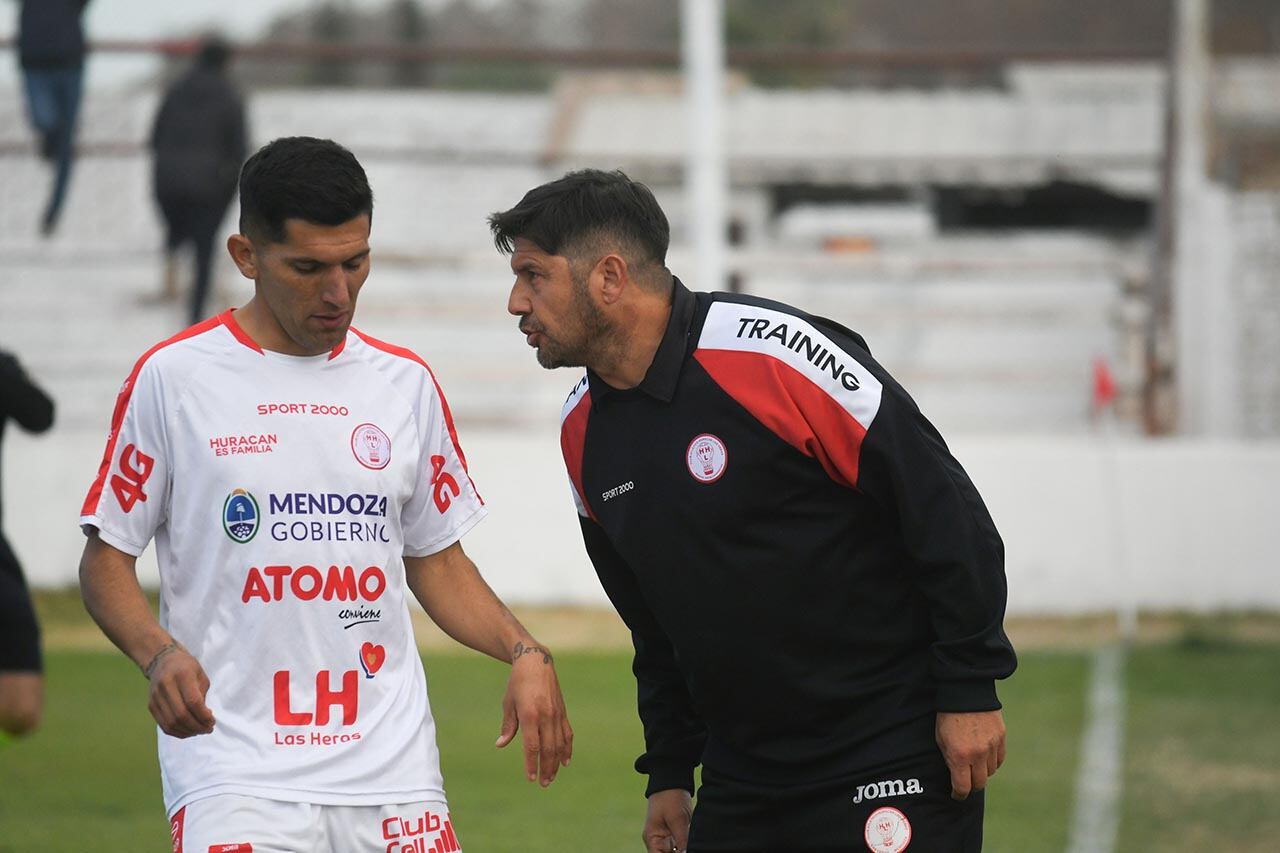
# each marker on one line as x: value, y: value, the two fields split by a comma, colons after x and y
x: 814, y: 588
x: 21, y: 682
x: 199, y: 141
x: 51, y: 52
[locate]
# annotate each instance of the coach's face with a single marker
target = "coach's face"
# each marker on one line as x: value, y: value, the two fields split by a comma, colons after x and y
x: 308, y: 282
x: 556, y: 311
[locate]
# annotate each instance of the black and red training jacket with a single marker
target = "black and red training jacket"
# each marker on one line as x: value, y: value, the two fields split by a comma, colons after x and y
x: 808, y: 574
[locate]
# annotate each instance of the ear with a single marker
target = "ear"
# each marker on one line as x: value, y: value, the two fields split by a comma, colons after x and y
x: 613, y: 276
x: 245, y: 256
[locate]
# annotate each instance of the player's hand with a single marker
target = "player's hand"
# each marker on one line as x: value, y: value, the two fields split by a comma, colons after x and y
x: 973, y: 746
x: 666, y: 823
x: 534, y: 707
x: 178, y: 688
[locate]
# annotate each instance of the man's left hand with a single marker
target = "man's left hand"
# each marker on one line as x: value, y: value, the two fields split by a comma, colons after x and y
x: 534, y: 706
x: 973, y: 746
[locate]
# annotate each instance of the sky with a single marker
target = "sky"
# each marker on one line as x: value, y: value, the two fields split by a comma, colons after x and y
x: 152, y: 19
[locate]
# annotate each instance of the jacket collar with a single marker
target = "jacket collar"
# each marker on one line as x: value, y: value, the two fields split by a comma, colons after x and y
x: 664, y: 371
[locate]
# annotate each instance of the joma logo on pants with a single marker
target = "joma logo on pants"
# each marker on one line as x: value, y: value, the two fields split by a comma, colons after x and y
x: 888, y: 788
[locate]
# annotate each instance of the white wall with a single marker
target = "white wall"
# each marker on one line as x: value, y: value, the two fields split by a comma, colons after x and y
x: 1189, y: 524
x: 1183, y: 524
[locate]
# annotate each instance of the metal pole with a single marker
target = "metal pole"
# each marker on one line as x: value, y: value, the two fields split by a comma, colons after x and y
x: 706, y: 174
x: 1159, y: 403
x: 1158, y: 380
x: 1178, y: 363
x: 1200, y: 376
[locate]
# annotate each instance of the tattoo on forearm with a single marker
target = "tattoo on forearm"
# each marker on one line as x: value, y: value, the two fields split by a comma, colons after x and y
x: 521, y: 650
x: 167, y: 649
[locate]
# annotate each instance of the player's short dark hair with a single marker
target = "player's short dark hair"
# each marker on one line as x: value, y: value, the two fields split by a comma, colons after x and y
x: 301, y: 177
x: 586, y: 205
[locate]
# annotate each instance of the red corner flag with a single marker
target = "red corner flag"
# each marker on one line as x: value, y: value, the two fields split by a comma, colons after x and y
x: 1104, y: 384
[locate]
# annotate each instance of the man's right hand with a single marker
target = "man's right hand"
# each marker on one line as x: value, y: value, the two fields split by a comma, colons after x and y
x: 178, y: 688
x: 666, y: 824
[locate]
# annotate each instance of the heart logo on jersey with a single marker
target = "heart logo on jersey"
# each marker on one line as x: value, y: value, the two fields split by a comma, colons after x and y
x: 371, y: 658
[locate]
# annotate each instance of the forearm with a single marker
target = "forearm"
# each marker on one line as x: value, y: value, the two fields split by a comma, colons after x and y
x: 674, y: 736
x: 449, y: 587
x: 115, y: 600
x: 953, y: 553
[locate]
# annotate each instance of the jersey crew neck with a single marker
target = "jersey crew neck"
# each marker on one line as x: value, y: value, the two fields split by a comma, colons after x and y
x: 283, y: 494
x: 305, y: 362
x: 227, y: 318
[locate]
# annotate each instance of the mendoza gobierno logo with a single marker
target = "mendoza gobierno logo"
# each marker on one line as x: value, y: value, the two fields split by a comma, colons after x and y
x: 240, y: 516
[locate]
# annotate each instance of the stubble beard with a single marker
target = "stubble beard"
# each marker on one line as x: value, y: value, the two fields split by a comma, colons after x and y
x: 551, y: 361
x: 592, y: 335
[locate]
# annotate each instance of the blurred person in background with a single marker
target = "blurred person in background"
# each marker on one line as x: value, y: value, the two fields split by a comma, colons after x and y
x: 814, y: 587
x: 302, y: 481
x: 21, y: 681
x: 51, y: 51
x: 199, y: 141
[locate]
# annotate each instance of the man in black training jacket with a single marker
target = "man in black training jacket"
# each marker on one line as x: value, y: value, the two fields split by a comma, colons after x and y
x: 814, y: 588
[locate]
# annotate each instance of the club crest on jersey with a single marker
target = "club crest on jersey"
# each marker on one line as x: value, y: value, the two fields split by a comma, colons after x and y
x: 887, y: 831
x: 707, y: 458
x: 371, y: 446
x: 240, y: 516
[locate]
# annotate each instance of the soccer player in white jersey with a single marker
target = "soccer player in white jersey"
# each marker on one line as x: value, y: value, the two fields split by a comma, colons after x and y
x: 300, y: 480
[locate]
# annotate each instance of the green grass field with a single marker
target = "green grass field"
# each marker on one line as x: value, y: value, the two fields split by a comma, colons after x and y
x: 1203, y: 758
x: 1201, y: 768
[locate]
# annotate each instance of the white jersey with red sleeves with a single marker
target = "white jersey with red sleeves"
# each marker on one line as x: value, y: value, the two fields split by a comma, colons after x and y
x: 282, y: 493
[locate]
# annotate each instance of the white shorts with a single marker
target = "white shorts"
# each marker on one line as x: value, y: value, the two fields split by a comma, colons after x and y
x: 228, y: 823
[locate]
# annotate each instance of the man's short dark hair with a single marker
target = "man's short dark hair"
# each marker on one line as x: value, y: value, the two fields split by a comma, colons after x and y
x: 300, y: 177
x: 586, y: 205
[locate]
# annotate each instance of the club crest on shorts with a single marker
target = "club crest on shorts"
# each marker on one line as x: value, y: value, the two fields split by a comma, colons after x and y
x: 371, y: 446
x: 707, y: 457
x: 240, y: 516
x: 887, y: 831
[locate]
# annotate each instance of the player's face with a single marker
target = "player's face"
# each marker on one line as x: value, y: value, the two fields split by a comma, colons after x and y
x: 310, y: 281
x: 557, y: 314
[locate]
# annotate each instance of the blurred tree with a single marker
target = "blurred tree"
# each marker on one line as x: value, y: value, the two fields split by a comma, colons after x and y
x: 620, y: 23
x: 410, y: 28
x: 513, y: 23
x: 331, y: 24
x: 1246, y: 27
x: 817, y: 23
x: 955, y: 27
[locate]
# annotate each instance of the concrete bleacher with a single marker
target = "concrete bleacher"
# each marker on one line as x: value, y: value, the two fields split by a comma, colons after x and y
x: 993, y: 336
x: 981, y: 355
x: 990, y: 334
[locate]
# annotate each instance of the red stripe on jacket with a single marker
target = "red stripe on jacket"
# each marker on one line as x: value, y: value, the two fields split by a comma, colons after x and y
x: 573, y: 440
x: 792, y: 407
